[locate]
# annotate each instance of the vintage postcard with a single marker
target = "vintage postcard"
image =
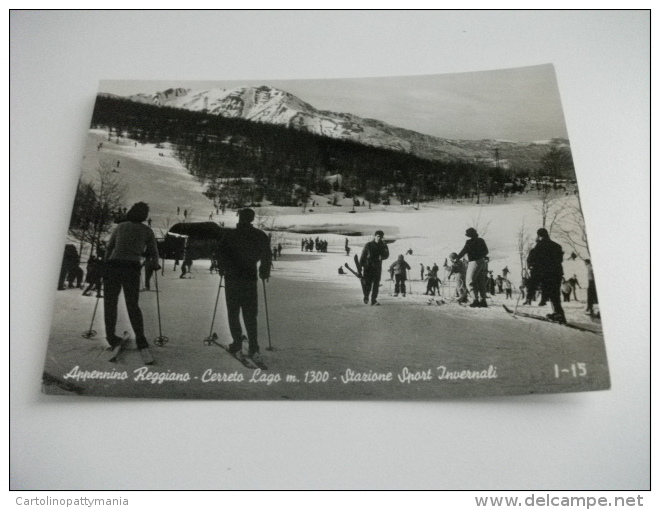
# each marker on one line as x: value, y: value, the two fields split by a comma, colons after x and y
x: 398, y: 238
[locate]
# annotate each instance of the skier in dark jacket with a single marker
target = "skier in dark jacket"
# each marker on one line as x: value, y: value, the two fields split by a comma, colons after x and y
x: 476, y: 250
x: 371, y: 262
x: 545, y: 262
x: 398, y: 269
x: 239, y: 251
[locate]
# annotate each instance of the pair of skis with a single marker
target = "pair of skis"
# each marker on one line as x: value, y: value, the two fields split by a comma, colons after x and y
x: 357, y: 272
x: 246, y: 361
x: 546, y: 319
x: 117, y: 350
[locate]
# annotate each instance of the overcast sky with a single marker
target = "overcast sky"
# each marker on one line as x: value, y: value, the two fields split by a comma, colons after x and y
x: 521, y: 104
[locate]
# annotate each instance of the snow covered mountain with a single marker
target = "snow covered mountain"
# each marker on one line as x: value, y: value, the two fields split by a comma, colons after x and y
x: 274, y: 106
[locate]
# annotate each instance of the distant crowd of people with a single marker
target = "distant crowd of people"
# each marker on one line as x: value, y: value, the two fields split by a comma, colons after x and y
x: 319, y: 245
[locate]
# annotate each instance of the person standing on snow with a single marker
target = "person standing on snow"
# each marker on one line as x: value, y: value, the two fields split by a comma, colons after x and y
x: 476, y: 250
x: 566, y: 290
x: 239, y: 252
x: 573, y: 282
x: 545, y: 262
x: 433, y: 284
x: 129, y: 241
x: 592, y: 297
x: 398, y: 269
x: 371, y: 262
x: 508, y: 288
x: 457, y: 267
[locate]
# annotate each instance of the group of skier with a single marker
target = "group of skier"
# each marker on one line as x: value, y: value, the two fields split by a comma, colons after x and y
x: 244, y: 254
x: 132, y: 246
x: 472, y: 276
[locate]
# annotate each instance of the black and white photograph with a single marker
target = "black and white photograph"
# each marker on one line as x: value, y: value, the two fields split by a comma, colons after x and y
x: 397, y: 238
x: 341, y: 250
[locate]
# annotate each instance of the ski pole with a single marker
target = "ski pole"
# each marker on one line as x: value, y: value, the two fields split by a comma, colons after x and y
x: 160, y: 339
x: 91, y: 333
x: 270, y: 347
x: 517, y: 301
x: 209, y: 339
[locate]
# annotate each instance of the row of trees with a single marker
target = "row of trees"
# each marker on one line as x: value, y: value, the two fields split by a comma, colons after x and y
x: 244, y: 162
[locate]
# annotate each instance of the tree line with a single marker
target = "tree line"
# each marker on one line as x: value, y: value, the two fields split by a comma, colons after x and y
x: 244, y: 162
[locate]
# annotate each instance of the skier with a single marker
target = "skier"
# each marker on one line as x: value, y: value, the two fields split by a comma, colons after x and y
x: 75, y: 276
x: 592, y: 297
x: 476, y: 250
x: 491, y: 283
x: 239, y: 251
x: 94, y: 276
x: 508, y: 288
x: 371, y: 261
x: 433, y: 284
x: 573, y: 281
x: 566, y: 290
x: 398, y: 269
x: 149, y: 269
x: 70, y: 261
x: 421, y: 272
x: 545, y: 261
x: 129, y: 241
x: 500, y: 284
x: 186, y: 265
x: 457, y: 267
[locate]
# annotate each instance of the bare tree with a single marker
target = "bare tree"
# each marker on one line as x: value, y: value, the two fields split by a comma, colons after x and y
x: 549, y: 208
x: 165, y: 226
x: 571, y: 228
x: 524, y: 247
x: 266, y: 222
x: 480, y: 226
x: 95, y: 206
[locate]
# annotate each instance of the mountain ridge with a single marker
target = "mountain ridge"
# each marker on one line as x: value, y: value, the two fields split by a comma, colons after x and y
x: 271, y: 105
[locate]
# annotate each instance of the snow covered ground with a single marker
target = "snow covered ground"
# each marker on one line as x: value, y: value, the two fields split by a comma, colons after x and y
x: 326, y: 341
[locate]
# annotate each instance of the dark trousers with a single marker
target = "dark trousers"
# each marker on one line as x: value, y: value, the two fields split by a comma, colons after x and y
x: 123, y: 276
x: 148, y: 274
x: 241, y: 297
x: 370, y: 285
x: 592, y: 297
x: 400, y: 284
x: 551, y: 291
x: 75, y: 275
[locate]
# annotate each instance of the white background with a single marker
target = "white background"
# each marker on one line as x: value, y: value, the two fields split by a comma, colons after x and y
x: 598, y: 440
